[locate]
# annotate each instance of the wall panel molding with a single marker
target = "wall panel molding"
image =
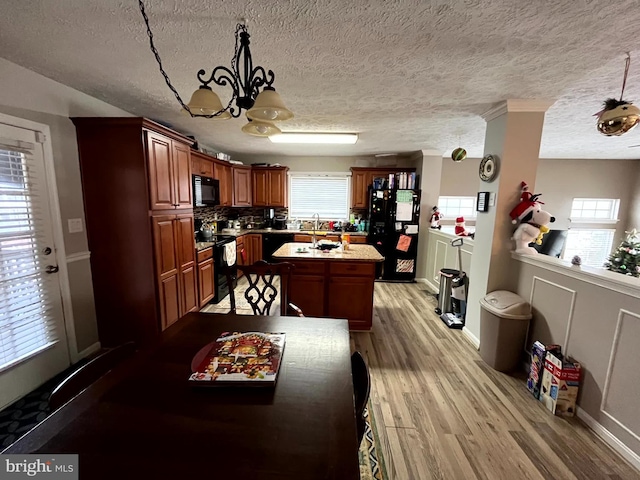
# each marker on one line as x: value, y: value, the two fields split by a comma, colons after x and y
x: 622, y: 313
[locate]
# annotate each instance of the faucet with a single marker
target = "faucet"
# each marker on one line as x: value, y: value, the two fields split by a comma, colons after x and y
x: 316, y: 219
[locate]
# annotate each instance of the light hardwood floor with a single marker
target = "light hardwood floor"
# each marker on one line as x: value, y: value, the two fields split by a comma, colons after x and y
x: 443, y: 413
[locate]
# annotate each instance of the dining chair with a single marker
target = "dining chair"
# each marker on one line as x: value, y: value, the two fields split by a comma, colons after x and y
x: 88, y: 374
x: 262, y: 290
x: 361, y: 390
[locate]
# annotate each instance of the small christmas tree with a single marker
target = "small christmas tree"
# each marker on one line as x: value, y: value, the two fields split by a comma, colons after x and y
x: 626, y: 258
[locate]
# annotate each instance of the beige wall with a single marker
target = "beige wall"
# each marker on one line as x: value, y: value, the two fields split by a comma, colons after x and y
x: 583, y: 318
x: 633, y: 220
x: 459, y: 178
x: 30, y: 96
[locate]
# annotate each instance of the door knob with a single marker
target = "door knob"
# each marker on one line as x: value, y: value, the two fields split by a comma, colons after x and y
x: 46, y: 251
x: 51, y: 269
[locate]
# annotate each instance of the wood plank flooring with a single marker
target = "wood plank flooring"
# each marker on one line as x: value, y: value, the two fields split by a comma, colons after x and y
x: 444, y: 414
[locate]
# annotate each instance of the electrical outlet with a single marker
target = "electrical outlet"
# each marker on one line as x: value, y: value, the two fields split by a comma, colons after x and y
x: 492, y: 199
x: 75, y: 225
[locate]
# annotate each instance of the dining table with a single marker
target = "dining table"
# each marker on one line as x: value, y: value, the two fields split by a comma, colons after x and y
x: 144, y: 419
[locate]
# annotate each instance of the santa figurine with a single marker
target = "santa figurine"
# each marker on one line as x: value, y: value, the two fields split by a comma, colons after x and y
x: 436, y: 216
x: 461, y: 230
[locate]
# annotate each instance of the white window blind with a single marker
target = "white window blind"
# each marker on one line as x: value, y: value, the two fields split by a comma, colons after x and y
x: 26, y: 320
x: 327, y: 195
x: 452, y: 207
x: 593, y: 245
x: 591, y: 210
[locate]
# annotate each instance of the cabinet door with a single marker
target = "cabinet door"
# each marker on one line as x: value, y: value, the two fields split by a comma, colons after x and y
x: 188, y: 284
x: 166, y: 260
x: 277, y: 187
x: 359, y: 189
x: 223, y: 174
x: 186, y: 248
x: 241, y: 254
x: 241, y: 187
x: 308, y: 293
x: 161, y: 172
x: 351, y: 298
x: 182, y: 175
x: 255, y: 247
x: 205, y: 282
x: 303, y: 238
x: 259, y: 188
x: 206, y: 168
x: 228, y: 180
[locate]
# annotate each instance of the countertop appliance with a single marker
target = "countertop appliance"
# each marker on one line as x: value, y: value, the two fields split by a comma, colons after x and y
x: 280, y: 222
x: 206, y: 191
x: 393, y: 230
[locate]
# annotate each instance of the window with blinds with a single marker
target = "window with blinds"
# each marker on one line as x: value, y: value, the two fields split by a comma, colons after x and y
x: 324, y: 194
x: 26, y: 321
x: 592, y: 245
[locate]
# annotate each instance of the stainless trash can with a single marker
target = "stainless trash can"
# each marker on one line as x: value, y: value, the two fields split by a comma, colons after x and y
x: 504, y: 321
x: 444, y: 292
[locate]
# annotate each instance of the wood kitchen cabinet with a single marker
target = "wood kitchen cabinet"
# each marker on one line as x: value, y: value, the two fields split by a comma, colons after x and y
x: 174, y: 249
x: 269, y: 186
x: 253, y: 245
x: 136, y: 178
x: 352, y: 298
x: 169, y: 172
x: 206, y: 271
x: 241, y: 254
x: 241, y: 186
x: 362, y: 179
x: 201, y: 164
x: 308, y: 291
x: 222, y: 172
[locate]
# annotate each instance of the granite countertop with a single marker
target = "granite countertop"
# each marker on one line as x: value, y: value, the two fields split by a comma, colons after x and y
x: 244, y: 231
x: 203, y: 245
x: 355, y: 253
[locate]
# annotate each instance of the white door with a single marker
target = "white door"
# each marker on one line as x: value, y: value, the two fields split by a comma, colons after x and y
x: 33, y: 342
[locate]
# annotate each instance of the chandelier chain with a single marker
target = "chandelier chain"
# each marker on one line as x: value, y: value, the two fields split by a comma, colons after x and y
x: 155, y: 52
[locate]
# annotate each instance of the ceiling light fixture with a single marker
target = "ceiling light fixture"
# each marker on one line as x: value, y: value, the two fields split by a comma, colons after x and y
x: 327, y: 138
x: 245, y: 80
x: 258, y: 128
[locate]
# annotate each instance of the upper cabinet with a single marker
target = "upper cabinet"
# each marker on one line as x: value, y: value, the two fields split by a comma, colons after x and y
x: 201, y: 164
x: 222, y: 172
x: 362, y: 178
x: 269, y: 186
x: 169, y: 165
x: 241, y: 186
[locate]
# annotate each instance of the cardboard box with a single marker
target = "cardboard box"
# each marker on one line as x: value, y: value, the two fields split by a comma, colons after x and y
x: 560, y: 384
x: 538, y: 353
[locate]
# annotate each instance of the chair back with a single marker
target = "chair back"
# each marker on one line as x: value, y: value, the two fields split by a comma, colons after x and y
x: 262, y: 290
x: 361, y: 389
x: 88, y: 374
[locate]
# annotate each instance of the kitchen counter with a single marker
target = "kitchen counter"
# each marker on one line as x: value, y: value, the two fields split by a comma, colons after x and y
x: 244, y: 231
x: 335, y: 284
x: 203, y: 245
x: 355, y: 253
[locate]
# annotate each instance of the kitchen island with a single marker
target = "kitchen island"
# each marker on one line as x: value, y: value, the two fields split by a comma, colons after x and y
x: 335, y: 284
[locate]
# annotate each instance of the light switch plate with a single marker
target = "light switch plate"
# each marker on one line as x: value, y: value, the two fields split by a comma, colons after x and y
x: 75, y: 225
x: 492, y: 199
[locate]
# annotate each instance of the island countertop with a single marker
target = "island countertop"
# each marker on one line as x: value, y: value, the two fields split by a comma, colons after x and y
x: 355, y: 253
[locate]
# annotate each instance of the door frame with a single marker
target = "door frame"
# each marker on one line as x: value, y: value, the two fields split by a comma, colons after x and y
x: 58, y: 237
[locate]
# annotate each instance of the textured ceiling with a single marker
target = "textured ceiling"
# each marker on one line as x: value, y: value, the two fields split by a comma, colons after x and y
x: 405, y: 74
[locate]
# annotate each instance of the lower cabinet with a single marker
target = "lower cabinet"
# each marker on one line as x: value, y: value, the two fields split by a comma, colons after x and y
x: 352, y: 298
x: 253, y: 246
x: 241, y: 254
x: 307, y: 292
x: 205, y: 282
x: 174, y: 252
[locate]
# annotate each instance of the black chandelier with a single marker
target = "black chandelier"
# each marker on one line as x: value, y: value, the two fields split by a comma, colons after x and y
x: 262, y: 106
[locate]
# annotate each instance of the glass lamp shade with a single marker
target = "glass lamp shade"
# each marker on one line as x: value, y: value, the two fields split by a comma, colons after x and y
x: 258, y: 128
x: 269, y: 107
x: 204, y: 101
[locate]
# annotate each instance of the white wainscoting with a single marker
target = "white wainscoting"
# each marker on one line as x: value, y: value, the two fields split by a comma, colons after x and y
x: 440, y: 254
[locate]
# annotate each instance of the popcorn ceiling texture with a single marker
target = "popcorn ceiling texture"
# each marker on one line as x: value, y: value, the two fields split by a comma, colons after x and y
x: 405, y: 74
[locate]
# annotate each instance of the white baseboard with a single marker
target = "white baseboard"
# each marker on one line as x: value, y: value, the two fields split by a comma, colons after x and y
x: 609, y: 438
x: 426, y: 282
x: 475, y: 341
x: 88, y: 351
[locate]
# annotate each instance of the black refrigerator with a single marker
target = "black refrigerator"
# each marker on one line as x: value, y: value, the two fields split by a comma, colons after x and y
x: 394, y: 216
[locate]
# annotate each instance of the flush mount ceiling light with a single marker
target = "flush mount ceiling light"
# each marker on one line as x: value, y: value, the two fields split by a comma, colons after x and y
x: 328, y: 138
x: 252, y: 86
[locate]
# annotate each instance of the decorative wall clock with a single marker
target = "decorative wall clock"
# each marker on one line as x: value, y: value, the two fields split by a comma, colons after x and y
x: 488, y: 168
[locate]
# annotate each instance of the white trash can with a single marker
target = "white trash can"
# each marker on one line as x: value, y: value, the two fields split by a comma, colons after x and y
x: 504, y: 321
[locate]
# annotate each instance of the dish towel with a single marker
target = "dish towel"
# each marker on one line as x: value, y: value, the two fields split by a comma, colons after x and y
x: 229, y: 254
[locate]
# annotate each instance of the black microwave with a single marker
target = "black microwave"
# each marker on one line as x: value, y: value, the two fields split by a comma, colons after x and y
x: 206, y: 191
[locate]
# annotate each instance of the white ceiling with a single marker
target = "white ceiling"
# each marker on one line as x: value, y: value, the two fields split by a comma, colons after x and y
x: 405, y: 74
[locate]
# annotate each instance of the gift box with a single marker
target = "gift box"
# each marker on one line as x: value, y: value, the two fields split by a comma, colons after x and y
x: 538, y: 353
x: 560, y: 384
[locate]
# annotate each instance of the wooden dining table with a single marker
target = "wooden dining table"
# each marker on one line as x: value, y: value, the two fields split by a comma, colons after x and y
x: 144, y: 420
